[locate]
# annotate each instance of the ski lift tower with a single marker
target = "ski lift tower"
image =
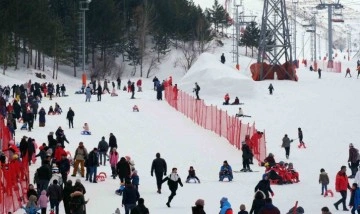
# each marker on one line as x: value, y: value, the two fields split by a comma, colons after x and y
x: 330, y: 7
x: 83, y: 6
x: 274, y: 26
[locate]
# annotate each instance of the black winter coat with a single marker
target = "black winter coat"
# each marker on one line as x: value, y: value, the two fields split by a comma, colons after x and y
x: 123, y: 168
x: 130, y: 195
x: 93, y: 159
x: 68, y: 189
x: 44, y: 172
x: 42, y: 114
x: 159, y: 166
x: 257, y: 205
x: 140, y: 209
x: 247, y: 154
x: 70, y: 114
x: 112, y: 142
x: 264, y: 186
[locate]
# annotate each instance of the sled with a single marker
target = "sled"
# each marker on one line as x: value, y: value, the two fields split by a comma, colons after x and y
x: 225, y: 178
x: 24, y: 126
x: 329, y: 193
x: 239, y: 171
x: 85, y: 133
x: 192, y: 181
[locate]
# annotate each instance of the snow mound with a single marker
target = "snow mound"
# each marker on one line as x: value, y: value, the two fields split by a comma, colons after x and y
x: 215, y: 78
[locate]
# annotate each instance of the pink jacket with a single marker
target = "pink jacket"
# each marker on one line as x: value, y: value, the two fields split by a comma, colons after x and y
x: 43, y: 200
x: 114, y: 158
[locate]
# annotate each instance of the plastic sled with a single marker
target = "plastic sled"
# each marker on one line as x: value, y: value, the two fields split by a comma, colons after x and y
x: 192, y: 181
x: 85, y: 133
x: 225, y: 178
x: 329, y: 193
x: 24, y: 126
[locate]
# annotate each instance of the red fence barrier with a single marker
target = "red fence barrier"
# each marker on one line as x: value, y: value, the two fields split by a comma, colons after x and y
x: 218, y: 121
x: 14, y: 176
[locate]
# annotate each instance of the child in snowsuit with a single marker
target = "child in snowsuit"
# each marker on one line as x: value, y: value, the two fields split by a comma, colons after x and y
x: 192, y: 175
x: 135, y: 179
x: 323, y: 180
x: 121, y: 189
x: 43, y: 202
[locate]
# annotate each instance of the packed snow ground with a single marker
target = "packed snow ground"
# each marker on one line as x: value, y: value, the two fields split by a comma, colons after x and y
x: 326, y: 109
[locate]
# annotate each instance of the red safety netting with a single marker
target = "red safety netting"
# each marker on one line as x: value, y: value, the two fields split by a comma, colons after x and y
x: 14, y: 176
x: 218, y: 121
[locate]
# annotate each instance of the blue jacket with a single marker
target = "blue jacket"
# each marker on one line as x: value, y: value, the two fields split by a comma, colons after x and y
x: 226, y: 168
x: 224, y: 207
x: 357, y: 197
x: 31, y: 210
x: 135, y: 179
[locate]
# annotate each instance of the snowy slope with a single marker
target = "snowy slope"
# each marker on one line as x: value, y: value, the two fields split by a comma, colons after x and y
x: 326, y: 109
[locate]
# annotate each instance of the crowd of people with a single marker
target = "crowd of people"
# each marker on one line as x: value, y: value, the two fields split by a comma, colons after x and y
x: 52, y: 182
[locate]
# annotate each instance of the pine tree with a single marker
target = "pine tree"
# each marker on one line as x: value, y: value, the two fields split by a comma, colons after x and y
x: 250, y: 37
x: 218, y: 16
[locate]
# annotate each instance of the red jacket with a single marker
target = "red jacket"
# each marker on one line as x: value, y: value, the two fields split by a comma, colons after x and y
x: 138, y: 83
x: 341, y: 182
x: 59, y: 151
x: 227, y: 97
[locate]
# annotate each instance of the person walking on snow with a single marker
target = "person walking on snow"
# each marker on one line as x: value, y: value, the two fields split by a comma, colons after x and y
x: 324, y: 181
x: 286, y: 145
x: 264, y: 186
x: 173, y: 180
x: 70, y: 116
x: 271, y: 89
x: 347, y: 72
x: 99, y: 92
x: 106, y: 86
x: 132, y: 89
x: 341, y: 186
x: 300, y: 135
x: 319, y: 73
x: 353, y: 160
x: 222, y: 58
x: 159, y: 167
x: 196, y: 90
x: 103, y: 148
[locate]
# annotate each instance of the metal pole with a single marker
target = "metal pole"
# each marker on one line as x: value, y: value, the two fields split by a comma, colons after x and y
x: 330, y: 34
x: 303, y: 45
x: 83, y: 47
x: 237, y: 35
x: 314, y: 18
x: 294, y: 35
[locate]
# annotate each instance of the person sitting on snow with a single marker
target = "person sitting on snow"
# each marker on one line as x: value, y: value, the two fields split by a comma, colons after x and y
x: 86, y: 129
x: 293, y: 174
x: 241, y: 114
x: 236, y: 101
x: 270, y: 160
x: 51, y: 110
x: 192, y: 175
x: 225, y: 171
x: 57, y: 109
x: 227, y: 99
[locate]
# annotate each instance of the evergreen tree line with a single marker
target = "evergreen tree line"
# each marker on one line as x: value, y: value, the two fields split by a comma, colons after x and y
x: 32, y: 31
x: 38, y: 29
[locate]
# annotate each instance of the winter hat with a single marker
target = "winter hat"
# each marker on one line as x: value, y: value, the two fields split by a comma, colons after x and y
x: 78, y: 181
x: 264, y: 176
x: 55, y: 170
x: 103, y: 138
x: 243, y: 142
x: 200, y: 202
x: 271, y: 155
x: 223, y: 199
x: 351, y: 145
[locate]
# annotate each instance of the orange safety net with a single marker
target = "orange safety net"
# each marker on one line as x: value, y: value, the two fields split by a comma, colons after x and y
x: 218, y: 121
x: 286, y: 71
x: 14, y: 176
